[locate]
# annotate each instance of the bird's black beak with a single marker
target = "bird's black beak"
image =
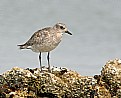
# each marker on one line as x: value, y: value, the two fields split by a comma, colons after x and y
x: 68, y: 32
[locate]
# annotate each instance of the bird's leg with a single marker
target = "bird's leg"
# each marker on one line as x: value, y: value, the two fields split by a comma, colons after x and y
x: 40, y: 61
x: 48, y: 59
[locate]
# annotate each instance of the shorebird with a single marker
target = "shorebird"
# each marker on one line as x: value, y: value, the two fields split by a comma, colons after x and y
x: 45, y: 40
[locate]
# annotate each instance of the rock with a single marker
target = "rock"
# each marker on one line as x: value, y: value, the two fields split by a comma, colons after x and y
x: 111, y: 75
x: 61, y: 83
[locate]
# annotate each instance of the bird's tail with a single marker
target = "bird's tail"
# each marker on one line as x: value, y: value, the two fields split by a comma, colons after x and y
x: 23, y: 46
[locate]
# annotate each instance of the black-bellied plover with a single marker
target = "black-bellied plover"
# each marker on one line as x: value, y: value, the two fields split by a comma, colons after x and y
x: 45, y: 40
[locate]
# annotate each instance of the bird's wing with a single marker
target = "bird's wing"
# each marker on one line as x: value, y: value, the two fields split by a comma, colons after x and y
x: 38, y: 37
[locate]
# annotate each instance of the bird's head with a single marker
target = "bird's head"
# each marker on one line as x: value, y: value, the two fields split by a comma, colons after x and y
x: 61, y: 27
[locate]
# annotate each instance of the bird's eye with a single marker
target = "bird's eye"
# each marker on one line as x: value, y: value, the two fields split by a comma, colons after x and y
x: 61, y: 27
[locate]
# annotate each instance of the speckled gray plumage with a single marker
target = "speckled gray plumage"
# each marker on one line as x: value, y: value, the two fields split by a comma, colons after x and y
x: 46, y: 39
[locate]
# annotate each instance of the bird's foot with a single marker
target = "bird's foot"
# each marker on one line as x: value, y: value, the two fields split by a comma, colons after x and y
x: 49, y: 70
x: 41, y: 69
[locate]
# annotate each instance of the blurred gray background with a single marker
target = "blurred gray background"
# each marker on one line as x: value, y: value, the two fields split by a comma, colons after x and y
x: 95, y: 24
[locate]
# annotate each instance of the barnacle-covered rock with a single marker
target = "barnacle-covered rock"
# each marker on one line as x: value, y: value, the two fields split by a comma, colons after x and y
x: 80, y: 86
x: 111, y: 75
x: 34, y: 83
x: 18, y: 80
x: 47, y: 84
x: 61, y: 83
x: 4, y: 87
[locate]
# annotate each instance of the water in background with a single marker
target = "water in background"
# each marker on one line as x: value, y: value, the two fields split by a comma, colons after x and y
x: 95, y: 24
